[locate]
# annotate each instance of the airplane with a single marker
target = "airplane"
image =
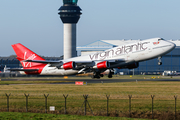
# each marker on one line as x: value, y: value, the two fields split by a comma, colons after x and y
x: 121, y: 57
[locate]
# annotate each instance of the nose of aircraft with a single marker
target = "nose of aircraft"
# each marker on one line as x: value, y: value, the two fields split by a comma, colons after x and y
x: 171, y: 44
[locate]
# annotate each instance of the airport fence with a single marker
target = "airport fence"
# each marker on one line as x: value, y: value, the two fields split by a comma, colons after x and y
x: 136, y: 106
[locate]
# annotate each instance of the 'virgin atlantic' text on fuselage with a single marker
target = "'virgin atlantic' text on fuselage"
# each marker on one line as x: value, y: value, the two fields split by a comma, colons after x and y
x: 120, y: 51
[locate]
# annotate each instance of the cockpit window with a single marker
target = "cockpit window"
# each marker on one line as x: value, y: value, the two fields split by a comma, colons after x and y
x: 160, y: 39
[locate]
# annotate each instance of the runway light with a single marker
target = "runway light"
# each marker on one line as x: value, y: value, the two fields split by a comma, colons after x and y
x: 65, y: 77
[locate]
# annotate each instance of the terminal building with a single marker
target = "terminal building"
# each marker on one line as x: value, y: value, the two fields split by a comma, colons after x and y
x: 170, y: 61
x: 12, y: 62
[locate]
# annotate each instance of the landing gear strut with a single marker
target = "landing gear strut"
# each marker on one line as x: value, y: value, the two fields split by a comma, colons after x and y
x: 159, y: 59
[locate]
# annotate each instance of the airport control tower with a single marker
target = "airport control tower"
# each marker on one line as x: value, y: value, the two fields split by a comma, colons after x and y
x: 70, y: 14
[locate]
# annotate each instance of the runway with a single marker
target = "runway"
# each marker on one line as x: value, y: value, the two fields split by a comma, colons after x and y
x: 120, y: 80
x: 72, y: 81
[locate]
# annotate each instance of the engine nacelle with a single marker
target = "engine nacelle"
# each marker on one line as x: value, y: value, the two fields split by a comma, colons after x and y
x: 102, y: 65
x: 68, y: 65
x: 134, y: 65
x: 130, y: 66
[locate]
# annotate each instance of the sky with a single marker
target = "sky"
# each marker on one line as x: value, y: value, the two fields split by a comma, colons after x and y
x: 36, y: 23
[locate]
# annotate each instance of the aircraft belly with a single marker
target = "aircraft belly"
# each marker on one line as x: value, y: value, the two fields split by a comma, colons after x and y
x: 55, y: 71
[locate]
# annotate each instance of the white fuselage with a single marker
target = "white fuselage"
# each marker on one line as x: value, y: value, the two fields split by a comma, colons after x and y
x: 134, y: 52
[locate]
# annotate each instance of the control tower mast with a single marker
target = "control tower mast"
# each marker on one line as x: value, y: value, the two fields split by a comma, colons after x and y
x: 70, y: 14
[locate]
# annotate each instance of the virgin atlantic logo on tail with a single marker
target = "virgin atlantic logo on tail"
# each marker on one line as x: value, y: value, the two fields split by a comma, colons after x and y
x: 31, y: 57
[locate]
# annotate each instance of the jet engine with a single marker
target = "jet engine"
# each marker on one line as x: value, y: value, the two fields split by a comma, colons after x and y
x: 134, y: 65
x: 68, y: 65
x: 102, y: 65
x: 130, y: 66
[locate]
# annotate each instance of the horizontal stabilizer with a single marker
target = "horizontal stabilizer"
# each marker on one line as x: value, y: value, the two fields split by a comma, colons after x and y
x: 44, y: 62
x: 20, y: 59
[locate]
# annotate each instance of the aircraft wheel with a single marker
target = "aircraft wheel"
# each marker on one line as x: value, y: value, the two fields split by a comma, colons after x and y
x: 109, y: 76
x: 98, y: 77
x: 101, y: 75
x: 95, y: 76
x: 159, y: 63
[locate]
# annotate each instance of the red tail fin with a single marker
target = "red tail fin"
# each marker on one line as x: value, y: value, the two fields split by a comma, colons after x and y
x: 24, y: 53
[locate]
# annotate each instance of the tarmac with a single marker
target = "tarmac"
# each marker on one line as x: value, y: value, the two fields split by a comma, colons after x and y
x: 72, y: 81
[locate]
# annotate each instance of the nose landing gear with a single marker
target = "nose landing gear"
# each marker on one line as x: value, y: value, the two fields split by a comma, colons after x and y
x: 159, y: 59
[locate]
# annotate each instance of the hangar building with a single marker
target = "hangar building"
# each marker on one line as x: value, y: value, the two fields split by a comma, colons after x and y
x: 170, y: 61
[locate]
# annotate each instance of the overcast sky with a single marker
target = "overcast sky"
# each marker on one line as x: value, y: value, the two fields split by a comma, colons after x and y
x: 36, y: 23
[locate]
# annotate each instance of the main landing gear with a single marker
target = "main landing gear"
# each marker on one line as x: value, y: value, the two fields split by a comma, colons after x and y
x: 111, y: 72
x: 98, y: 75
x: 159, y: 59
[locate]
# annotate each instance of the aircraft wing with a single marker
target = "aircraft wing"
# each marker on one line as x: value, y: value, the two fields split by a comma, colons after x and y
x: 80, y: 64
x: 59, y: 63
x: 26, y: 70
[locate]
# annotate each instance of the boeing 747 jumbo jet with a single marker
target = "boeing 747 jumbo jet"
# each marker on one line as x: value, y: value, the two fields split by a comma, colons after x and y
x: 123, y: 56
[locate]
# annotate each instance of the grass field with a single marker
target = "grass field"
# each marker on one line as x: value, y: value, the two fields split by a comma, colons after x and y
x: 37, y: 116
x: 141, y: 103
